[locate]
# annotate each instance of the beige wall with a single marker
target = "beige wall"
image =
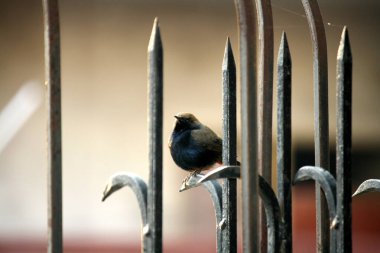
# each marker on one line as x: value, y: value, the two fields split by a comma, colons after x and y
x: 104, y: 101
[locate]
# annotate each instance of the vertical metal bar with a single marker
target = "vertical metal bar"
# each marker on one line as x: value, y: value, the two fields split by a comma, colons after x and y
x: 344, y: 143
x: 265, y: 103
x: 247, y: 39
x: 229, y: 149
x: 284, y: 140
x: 321, y: 119
x: 155, y: 89
x: 54, y: 135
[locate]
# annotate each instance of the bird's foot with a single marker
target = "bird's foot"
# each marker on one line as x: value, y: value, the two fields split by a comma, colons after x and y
x: 190, y: 175
x: 195, y: 173
x: 190, y: 180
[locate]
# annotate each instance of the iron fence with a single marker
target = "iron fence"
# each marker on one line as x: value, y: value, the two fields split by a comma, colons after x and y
x: 271, y: 232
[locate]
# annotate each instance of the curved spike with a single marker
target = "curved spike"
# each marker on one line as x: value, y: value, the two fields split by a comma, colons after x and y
x: 215, y: 190
x: 273, y: 215
x: 328, y: 184
x: 194, y: 180
x: 139, y: 187
x: 324, y: 179
x: 229, y: 171
x: 370, y: 185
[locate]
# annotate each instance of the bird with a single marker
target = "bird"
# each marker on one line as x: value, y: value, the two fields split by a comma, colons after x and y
x: 193, y: 146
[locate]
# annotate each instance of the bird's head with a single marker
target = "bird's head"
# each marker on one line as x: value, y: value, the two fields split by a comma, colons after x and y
x: 186, y: 121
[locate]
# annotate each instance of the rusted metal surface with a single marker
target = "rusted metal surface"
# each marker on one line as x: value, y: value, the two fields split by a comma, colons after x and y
x: 284, y: 141
x: 155, y: 111
x: 246, y: 14
x: 321, y: 119
x: 54, y: 135
x: 344, y: 143
x: 229, y: 149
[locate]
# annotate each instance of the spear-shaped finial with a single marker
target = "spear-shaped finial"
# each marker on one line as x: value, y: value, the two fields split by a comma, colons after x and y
x: 155, y: 112
x: 155, y: 37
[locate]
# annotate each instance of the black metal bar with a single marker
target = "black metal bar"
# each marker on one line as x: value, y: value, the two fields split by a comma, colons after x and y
x: 321, y: 119
x: 344, y: 143
x: 229, y: 149
x: 54, y: 135
x: 265, y: 103
x: 273, y: 215
x: 155, y: 110
x: 327, y: 184
x: 284, y: 140
x: 247, y: 39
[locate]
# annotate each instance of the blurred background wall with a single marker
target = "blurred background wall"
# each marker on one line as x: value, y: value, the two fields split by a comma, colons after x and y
x: 103, y: 59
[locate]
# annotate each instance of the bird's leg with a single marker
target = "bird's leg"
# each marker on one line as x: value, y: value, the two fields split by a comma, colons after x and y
x: 191, y: 174
x: 195, y: 172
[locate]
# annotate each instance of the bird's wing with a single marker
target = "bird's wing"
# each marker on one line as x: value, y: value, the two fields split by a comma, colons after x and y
x: 206, y: 138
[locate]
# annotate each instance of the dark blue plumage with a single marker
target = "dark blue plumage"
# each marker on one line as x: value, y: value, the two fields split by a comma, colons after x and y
x: 194, y: 146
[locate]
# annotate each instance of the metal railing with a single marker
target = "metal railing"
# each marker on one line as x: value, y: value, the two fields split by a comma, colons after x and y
x: 271, y: 232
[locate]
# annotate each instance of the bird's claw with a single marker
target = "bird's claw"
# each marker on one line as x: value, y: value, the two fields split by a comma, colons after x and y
x: 190, y: 181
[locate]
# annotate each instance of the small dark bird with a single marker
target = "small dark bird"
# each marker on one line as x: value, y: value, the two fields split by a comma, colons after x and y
x: 193, y: 146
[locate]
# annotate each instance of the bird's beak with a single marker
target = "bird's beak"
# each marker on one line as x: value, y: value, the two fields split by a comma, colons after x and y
x: 177, y: 117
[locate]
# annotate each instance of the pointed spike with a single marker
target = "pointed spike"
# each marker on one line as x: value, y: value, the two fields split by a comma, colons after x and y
x: 284, y: 138
x: 229, y: 148
x: 155, y: 123
x: 344, y: 143
x: 155, y: 37
x: 228, y: 59
x: 284, y: 57
x: 344, y: 51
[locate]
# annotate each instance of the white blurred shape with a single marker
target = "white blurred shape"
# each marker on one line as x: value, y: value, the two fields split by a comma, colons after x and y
x: 14, y: 115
